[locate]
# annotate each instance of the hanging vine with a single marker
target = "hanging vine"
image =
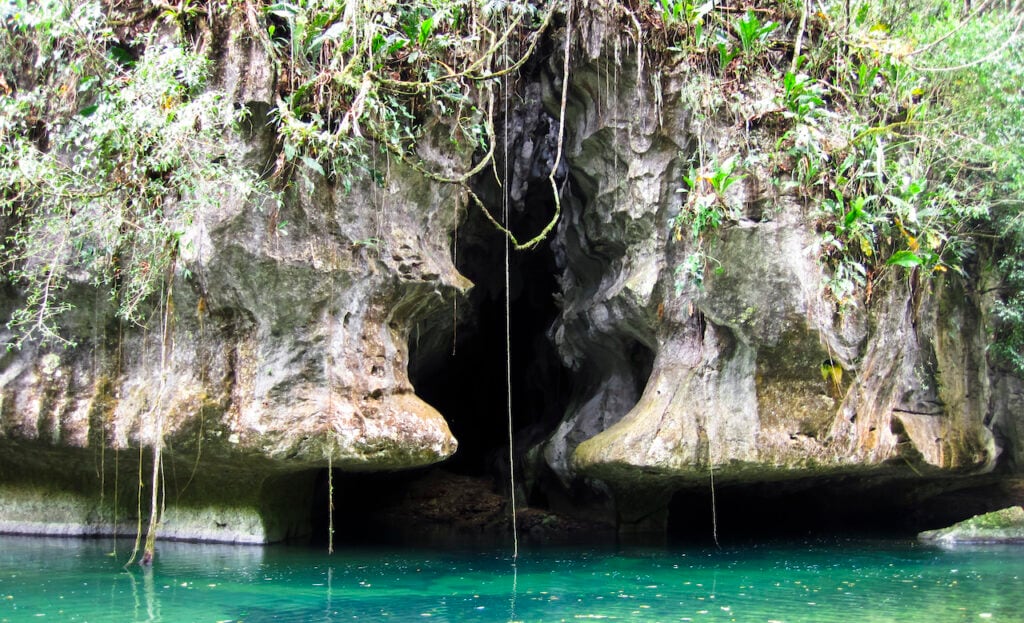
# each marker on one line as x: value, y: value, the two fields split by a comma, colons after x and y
x: 154, y: 418
x: 145, y: 134
x: 355, y: 77
x: 110, y: 140
x: 100, y: 184
x: 379, y: 75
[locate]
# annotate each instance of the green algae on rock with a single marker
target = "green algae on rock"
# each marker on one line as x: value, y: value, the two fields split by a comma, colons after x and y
x: 1001, y: 526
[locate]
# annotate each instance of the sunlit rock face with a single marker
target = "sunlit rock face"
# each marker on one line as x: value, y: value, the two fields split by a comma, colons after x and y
x: 283, y: 347
x: 757, y: 375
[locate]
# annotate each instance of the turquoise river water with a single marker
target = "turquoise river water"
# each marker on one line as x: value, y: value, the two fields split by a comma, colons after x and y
x: 821, y: 581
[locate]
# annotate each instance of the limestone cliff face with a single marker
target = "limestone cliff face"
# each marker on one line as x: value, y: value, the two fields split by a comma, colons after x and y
x: 287, y: 347
x: 737, y: 385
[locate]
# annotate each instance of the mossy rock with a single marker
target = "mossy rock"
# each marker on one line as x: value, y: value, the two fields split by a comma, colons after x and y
x: 1002, y: 526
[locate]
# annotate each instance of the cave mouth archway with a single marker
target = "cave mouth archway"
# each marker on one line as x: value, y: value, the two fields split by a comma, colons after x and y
x: 457, y: 363
x: 461, y: 370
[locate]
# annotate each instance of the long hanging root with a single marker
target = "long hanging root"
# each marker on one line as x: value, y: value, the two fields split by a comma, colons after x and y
x: 508, y: 387
x: 154, y: 510
x: 714, y: 509
x: 330, y: 502
x: 510, y: 243
x: 138, y: 513
x: 508, y: 349
x: 117, y: 471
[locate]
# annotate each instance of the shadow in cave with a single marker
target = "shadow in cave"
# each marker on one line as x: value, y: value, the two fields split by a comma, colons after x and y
x: 461, y: 371
x: 361, y: 501
x: 427, y: 507
x: 839, y: 507
x: 458, y: 365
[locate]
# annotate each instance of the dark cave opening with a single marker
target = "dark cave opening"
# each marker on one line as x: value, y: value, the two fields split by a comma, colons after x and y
x: 467, y: 382
x: 457, y: 363
x: 836, y: 507
x: 462, y: 373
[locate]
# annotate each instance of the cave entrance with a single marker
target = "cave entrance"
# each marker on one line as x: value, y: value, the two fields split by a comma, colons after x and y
x: 463, y: 374
x: 457, y: 363
x: 461, y: 369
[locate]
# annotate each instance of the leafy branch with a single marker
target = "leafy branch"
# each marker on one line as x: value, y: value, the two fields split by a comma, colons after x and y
x: 99, y: 187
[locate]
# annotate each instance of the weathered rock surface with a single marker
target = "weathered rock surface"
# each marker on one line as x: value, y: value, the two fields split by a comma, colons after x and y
x: 287, y: 349
x: 1002, y: 526
x: 737, y: 387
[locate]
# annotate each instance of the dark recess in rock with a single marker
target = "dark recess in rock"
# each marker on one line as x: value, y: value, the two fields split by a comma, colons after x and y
x: 437, y: 508
x: 462, y: 374
x: 832, y: 507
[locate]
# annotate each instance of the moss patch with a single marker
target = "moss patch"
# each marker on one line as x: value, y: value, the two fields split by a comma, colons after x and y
x: 1002, y: 526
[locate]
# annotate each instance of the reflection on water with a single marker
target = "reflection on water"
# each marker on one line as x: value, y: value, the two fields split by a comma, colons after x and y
x: 821, y: 582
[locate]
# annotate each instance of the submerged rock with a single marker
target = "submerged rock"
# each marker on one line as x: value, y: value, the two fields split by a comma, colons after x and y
x: 1002, y: 526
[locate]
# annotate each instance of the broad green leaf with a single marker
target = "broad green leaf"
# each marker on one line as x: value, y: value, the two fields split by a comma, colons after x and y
x: 331, y: 34
x: 904, y: 258
x: 283, y: 9
x: 426, y: 29
x: 313, y: 164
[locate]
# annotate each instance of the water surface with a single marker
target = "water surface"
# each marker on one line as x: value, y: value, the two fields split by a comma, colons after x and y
x: 84, y: 580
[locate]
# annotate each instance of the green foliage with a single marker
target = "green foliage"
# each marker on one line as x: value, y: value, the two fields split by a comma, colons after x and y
x: 108, y: 146
x: 802, y: 96
x: 691, y: 271
x: 702, y: 25
x: 382, y: 74
x: 898, y: 123
x: 971, y: 108
x: 849, y: 245
x: 882, y: 217
x: 707, y: 207
x: 753, y: 34
x: 676, y: 13
x: 99, y: 184
x: 726, y: 51
x: 803, y: 101
x: 934, y: 145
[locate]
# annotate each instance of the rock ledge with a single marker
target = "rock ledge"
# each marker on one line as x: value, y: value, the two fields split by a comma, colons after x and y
x: 1002, y: 526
